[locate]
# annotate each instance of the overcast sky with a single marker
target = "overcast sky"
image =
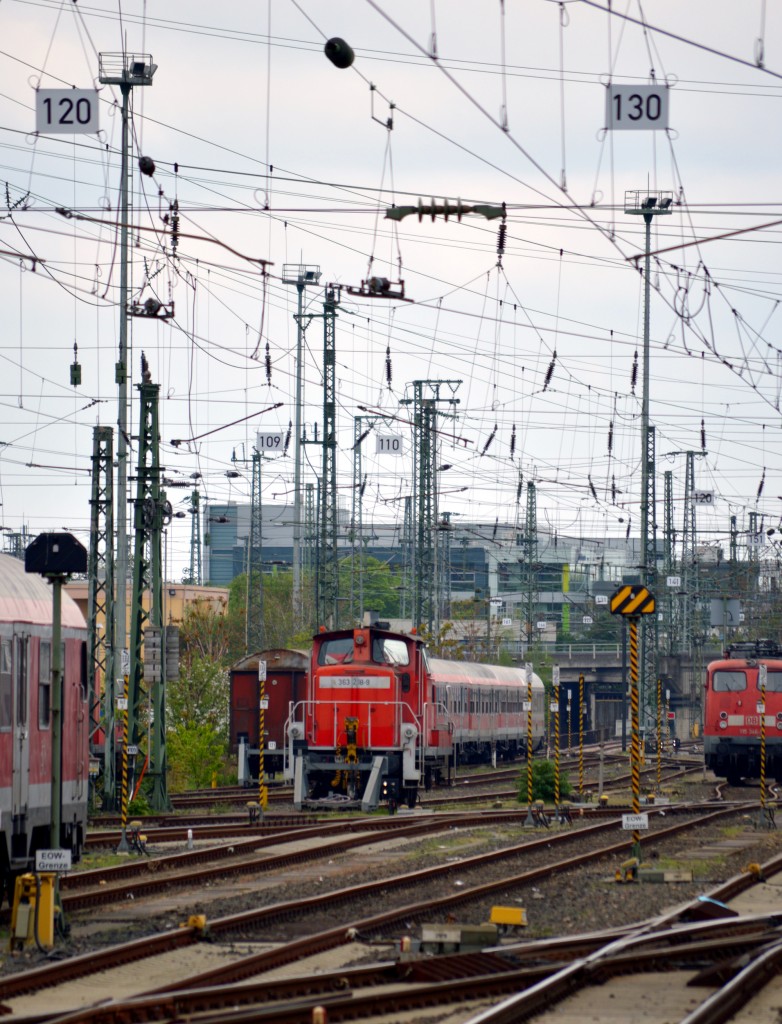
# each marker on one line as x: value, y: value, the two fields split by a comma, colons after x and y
x: 272, y: 153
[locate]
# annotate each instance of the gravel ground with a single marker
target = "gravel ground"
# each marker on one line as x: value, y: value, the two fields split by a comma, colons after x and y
x: 582, y: 900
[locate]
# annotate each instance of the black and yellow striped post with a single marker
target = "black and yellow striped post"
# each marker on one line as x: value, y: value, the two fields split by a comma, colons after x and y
x: 529, y: 820
x: 581, y: 734
x: 263, y: 795
x: 762, y: 677
x: 659, y: 733
x: 633, y: 601
x: 555, y: 712
x: 122, y: 707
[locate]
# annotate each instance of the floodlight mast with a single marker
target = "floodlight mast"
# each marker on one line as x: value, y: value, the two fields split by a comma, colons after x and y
x: 301, y: 275
x: 124, y: 70
x: 648, y: 204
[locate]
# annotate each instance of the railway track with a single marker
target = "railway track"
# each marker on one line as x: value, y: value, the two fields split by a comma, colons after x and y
x: 249, y: 922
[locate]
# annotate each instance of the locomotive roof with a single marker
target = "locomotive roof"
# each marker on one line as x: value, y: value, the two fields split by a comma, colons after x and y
x: 27, y: 597
x: 469, y: 672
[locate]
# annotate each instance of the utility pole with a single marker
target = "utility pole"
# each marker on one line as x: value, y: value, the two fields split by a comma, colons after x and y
x: 299, y: 275
x: 125, y: 70
x: 669, y: 563
x: 427, y: 395
x: 100, y: 583
x: 151, y: 513
x: 254, y: 629
x: 531, y: 559
x: 647, y: 204
x: 196, y: 574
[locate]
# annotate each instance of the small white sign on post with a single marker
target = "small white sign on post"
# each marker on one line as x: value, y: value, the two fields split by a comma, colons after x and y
x: 388, y: 444
x: 635, y: 822
x: 637, y: 107
x: 553, y: 707
x: 507, y: 622
x: 601, y: 599
x: 271, y: 745
x: 262, y: 671
x: 587, y: 620
x: 264, y: 704
x: 526, y: 705
x: 66, y: 111
x: 132, y: 749
x: 122, y: 703
x: 674, y: 582
x: 52, y: 860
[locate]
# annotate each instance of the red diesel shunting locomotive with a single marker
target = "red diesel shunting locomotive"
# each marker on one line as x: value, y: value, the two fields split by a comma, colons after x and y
x: 731, y: 715
x: 25, y: 722
x: 382, y: 718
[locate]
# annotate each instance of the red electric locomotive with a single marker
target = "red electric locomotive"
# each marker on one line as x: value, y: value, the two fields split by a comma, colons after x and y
x: 285, y: 683
x: 732, y: 710
x: 382, y: 718
x: 25, y: 722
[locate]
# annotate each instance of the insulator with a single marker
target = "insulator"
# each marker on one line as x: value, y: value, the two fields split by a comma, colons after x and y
x: 268, y: 364
x: 388, y: 366
x: 634, y: 374
x: 513, y: 441
x: 592, y: 488
x: 519, y: 489
x: 610, y: 437
x: 496, y: 525
x: 613, y: 490
x: 339, y: 53
x: 175, y: 225
x: 363, y: 486
x: 703, y: 436
x: 550, y: 371
x: 489, y: 440
x: 361, y: 437
x: 288, y: 438
x: 75, y: 367
x: 761, y: 484
x: 627, y: 531
x: 501, y: 238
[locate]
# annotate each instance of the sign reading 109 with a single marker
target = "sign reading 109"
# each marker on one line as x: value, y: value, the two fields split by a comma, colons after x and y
x: 271, y: 441
x: 66, y: 111
x: 388, y: 444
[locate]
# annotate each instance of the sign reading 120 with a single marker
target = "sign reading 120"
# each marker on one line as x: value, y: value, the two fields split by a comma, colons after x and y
x: 641, y: 107
x: 66, y: 111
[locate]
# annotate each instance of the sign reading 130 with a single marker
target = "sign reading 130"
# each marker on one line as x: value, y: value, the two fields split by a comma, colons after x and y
x: 66, y: 111
x: 640, y: 107
x: 388, y: 444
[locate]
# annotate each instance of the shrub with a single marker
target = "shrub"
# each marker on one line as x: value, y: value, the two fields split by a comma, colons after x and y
x: 543, y: 782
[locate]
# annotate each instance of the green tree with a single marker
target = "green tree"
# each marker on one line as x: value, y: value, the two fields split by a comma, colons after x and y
x: 196, y: 752
x: 381, y: 585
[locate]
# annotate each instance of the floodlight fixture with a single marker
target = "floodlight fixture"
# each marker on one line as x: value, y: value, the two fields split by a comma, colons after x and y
x: 126, y: 69
x: 648, y: 203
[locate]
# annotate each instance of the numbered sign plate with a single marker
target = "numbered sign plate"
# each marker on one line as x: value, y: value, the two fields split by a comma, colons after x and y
x: 270, y: 441
x: 66, y: 111
x: 636, y: 107
x: 388, y: 444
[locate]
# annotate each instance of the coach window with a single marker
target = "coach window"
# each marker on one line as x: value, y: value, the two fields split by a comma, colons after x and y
x: 773, y: 682
x: 45, y: 685
x: 729, y: 682
x: 336, y: 652
x: 83, y: 681
x: 20, y: 670
x: 6, y: 720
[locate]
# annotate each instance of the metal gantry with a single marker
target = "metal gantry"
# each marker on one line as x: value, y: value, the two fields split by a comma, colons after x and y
x: 328, y: 574
x: 649, y: 630
x: 100, y: 599
x: 254, y: 630
x: 151, y: 513
x: 428, y: 395
x: 196, y: 572
x: 531, y: 560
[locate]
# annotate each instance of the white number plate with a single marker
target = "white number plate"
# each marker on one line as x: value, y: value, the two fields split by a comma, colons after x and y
x: 641, y: 107
x: 271, y: 441
x: 66, y: 111
x: 388, y: 444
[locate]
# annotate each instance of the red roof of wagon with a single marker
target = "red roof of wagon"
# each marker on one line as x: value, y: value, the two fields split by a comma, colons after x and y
x: 26, y: 597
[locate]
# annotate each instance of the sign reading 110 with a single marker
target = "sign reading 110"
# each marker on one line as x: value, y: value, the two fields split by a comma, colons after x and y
x: 388, y: 444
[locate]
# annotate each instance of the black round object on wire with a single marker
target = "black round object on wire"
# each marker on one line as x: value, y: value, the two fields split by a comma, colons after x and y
x: 339, y: 53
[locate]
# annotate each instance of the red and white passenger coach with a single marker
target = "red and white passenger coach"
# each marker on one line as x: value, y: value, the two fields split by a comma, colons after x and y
x: 25, y: 721
x: 383, y: 719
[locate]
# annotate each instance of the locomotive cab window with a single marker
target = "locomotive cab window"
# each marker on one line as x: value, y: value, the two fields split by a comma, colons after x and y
x: 729, y: 682
x: 773, y: 682
x: 388, y: 651
x: 336, y: 652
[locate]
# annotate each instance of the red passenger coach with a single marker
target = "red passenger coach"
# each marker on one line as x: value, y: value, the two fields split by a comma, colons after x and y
x: 25, y: 721
x: 731, y: 719
x: 382, y: 719
x: 286, y: 683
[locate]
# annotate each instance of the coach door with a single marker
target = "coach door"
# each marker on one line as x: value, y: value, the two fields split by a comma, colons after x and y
x: 21, y: 753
